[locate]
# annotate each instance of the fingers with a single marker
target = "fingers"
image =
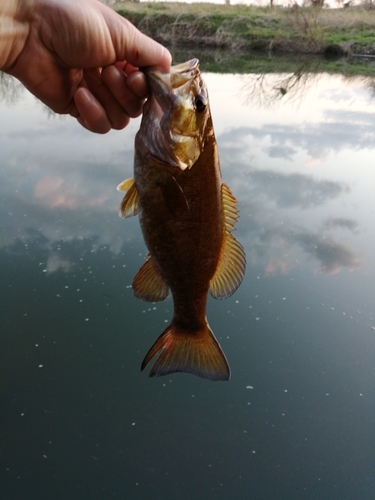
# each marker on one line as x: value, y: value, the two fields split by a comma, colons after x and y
x: 128, y: 91
x: 137, y: 83
x: 108, y: 99
x: 91, y: 113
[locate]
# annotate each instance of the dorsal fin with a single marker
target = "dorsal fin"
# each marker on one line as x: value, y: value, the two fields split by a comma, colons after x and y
x: 232, y: 261
x: 230, y: 268
x: 229, y: 206
x: 148, y: 284
x: 130, y: 203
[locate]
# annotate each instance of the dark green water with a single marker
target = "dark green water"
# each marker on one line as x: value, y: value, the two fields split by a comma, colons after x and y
x: 297, y: 419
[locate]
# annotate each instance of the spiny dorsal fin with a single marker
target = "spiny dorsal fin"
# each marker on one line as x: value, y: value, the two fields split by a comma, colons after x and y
x: 196, y: 352
x: 229, y: 206
x: 230, y: 268
x: 130, y: 203
x: 148, y: 284
x: 232, y: 262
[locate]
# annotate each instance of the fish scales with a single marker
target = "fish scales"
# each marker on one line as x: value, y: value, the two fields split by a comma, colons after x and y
x: 187, y: 215
x: 177, y: 241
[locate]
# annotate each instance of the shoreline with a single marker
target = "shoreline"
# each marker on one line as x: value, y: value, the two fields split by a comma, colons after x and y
x: 298, y: 30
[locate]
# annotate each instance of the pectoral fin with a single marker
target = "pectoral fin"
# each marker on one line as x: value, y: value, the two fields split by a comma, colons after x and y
x: 148, y: 284
x: 232, y: 261
x: 174, y: 197
x: 130, y: 203
x: 125, y: 185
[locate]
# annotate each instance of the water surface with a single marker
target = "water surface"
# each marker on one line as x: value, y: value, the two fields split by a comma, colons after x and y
x: 296, y: 420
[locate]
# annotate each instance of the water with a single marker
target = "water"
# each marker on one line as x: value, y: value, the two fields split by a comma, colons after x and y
x: 296, y: 420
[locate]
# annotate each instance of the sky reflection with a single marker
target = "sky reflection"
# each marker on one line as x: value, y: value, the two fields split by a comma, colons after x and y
x: 294, y: 168
x: 81, y: 421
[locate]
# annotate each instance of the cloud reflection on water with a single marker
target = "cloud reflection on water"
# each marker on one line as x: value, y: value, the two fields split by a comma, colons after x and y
x: 61, y: 181
x: 279, y: 246
x: 316, y: 140
x: 294, y: 190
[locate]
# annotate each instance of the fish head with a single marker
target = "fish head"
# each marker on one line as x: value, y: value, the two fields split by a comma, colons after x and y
x: 176, y: 117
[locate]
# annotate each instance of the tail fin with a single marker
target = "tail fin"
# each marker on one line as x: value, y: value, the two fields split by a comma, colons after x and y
x: 179, y: 350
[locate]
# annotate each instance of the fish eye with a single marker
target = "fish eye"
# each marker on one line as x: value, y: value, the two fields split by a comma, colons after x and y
x: 200, y: 103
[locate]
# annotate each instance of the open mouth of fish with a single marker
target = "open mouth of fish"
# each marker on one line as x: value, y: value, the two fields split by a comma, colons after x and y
x: 163, y: 85
x: 169, y: 128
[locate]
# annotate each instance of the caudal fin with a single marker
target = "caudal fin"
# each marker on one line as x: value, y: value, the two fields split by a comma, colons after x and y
x: 198, y: 353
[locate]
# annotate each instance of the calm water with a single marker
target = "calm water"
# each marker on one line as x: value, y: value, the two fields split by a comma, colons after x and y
x: 297, y: 419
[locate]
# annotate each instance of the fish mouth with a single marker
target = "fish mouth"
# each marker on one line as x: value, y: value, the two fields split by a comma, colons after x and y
x: 168, y: 129
x: 163, y: 84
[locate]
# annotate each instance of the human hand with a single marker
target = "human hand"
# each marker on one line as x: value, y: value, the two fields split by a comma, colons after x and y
x: 81, y: 58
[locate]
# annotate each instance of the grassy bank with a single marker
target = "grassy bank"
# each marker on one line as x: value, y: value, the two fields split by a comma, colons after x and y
x: 216, y: 60
x: 295, y: 29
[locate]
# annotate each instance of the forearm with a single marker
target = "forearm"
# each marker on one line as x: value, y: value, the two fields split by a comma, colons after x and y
x: 14, y: 30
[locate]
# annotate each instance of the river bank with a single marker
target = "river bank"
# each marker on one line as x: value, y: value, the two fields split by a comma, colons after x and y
x: 303, y: 30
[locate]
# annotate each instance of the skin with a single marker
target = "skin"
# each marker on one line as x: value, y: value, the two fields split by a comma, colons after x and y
x: 80, y: 58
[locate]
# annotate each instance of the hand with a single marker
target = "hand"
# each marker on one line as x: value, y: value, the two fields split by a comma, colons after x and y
x: 80, y: 57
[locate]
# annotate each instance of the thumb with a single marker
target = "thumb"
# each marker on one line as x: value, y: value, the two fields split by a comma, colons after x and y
x: 135, y: 47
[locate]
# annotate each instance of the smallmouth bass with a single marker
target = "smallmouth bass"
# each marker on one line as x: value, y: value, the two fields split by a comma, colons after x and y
x: 187, y: 215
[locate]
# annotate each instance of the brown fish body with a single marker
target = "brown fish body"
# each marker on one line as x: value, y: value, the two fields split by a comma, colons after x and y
x: 186, y: 215
x: 185, y: 246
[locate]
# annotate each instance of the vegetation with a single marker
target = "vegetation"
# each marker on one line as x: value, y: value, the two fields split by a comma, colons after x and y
x: 277, y: 29
x: 216, y: 60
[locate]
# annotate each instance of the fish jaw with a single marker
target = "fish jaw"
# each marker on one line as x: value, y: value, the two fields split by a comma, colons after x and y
x: 176, y: 116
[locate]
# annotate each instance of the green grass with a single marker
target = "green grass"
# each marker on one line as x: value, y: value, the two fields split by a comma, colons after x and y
x: 303, y: 30
x: 225, y: 61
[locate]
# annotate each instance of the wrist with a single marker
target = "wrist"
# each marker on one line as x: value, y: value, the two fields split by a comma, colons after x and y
x: 14, y: 30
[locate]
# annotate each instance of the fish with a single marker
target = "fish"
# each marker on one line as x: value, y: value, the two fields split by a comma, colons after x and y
x: 187, y: 215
